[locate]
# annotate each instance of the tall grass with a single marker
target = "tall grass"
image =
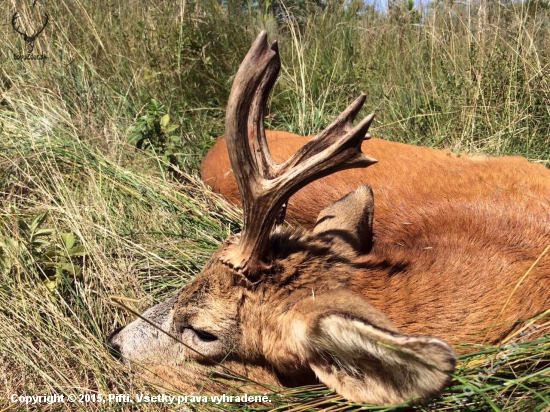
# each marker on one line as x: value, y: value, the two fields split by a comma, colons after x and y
x: 85, y: 216
x: 462, y: 77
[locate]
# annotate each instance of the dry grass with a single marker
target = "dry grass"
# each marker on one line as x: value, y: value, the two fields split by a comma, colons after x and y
x: 85, y: 216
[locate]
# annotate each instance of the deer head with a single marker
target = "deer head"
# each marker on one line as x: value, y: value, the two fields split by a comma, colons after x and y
x: 275, y: 306
x: 28, y: 39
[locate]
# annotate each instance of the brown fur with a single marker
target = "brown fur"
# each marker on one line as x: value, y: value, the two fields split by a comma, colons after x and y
x: 455, y: 251
x: 294, y: 322
x: 452, y: 253
x: 453, y: 235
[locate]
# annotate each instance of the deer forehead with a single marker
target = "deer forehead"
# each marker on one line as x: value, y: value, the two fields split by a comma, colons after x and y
x: 213, y: 292
x: 223, y: 296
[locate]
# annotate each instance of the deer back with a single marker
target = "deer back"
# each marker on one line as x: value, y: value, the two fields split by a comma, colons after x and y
x: 405, y: 177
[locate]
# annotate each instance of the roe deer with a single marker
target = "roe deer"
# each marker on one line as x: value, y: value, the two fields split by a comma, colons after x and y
x: 290, y: 306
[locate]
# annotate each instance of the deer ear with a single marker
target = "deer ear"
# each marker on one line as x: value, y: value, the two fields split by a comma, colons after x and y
x: 358, y: 353
x: 347, y: 222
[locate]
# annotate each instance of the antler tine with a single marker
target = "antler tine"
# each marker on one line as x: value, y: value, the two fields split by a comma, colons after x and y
x: 248, y: 151
x: 264, y: 185
x: 257, y: 140
x: 340, y: 135
x: 14, y: 22
x: 47, y: 18
x: 244, y: 114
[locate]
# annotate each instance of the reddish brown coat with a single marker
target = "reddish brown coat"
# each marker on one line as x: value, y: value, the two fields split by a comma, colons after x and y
x: 460, y: 241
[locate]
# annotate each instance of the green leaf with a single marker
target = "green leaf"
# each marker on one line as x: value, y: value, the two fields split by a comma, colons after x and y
x: 68, y: 240
x: 50, y: 253
x: 133, y: 136
x: 38, y: 221
x: 43, y: 232
x: 70, y: 268
x: 51, y: 282
x: 78, y: 251
x: 39, y: 242
x: 23, y: 226
x: 164, y: 120
x: 171, y: 128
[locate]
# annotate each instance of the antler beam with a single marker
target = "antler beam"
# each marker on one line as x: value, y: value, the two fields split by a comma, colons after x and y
x: 265, y: 185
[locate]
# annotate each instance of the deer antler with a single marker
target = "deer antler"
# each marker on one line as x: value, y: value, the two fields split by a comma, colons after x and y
x: 26, y: 37
x: 14, y: 25
x: 264, y: 185
x: 46, y: 20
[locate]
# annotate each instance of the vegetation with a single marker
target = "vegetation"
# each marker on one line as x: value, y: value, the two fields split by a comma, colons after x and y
x: 100, y: 144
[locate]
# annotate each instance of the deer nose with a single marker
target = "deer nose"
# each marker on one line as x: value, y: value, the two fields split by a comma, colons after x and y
x: 114, y: 348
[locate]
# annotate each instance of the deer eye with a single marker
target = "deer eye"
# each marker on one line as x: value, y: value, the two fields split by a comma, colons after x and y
x: 204, y: 336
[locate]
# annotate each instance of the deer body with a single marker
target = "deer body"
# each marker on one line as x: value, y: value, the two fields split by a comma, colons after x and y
x: 453, y: 235
x: 336, y: 303
x: 406, y: 177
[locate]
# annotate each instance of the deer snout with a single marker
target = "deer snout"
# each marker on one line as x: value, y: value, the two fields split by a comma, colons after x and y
x: 145, y: 337
x: 113, y: 345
